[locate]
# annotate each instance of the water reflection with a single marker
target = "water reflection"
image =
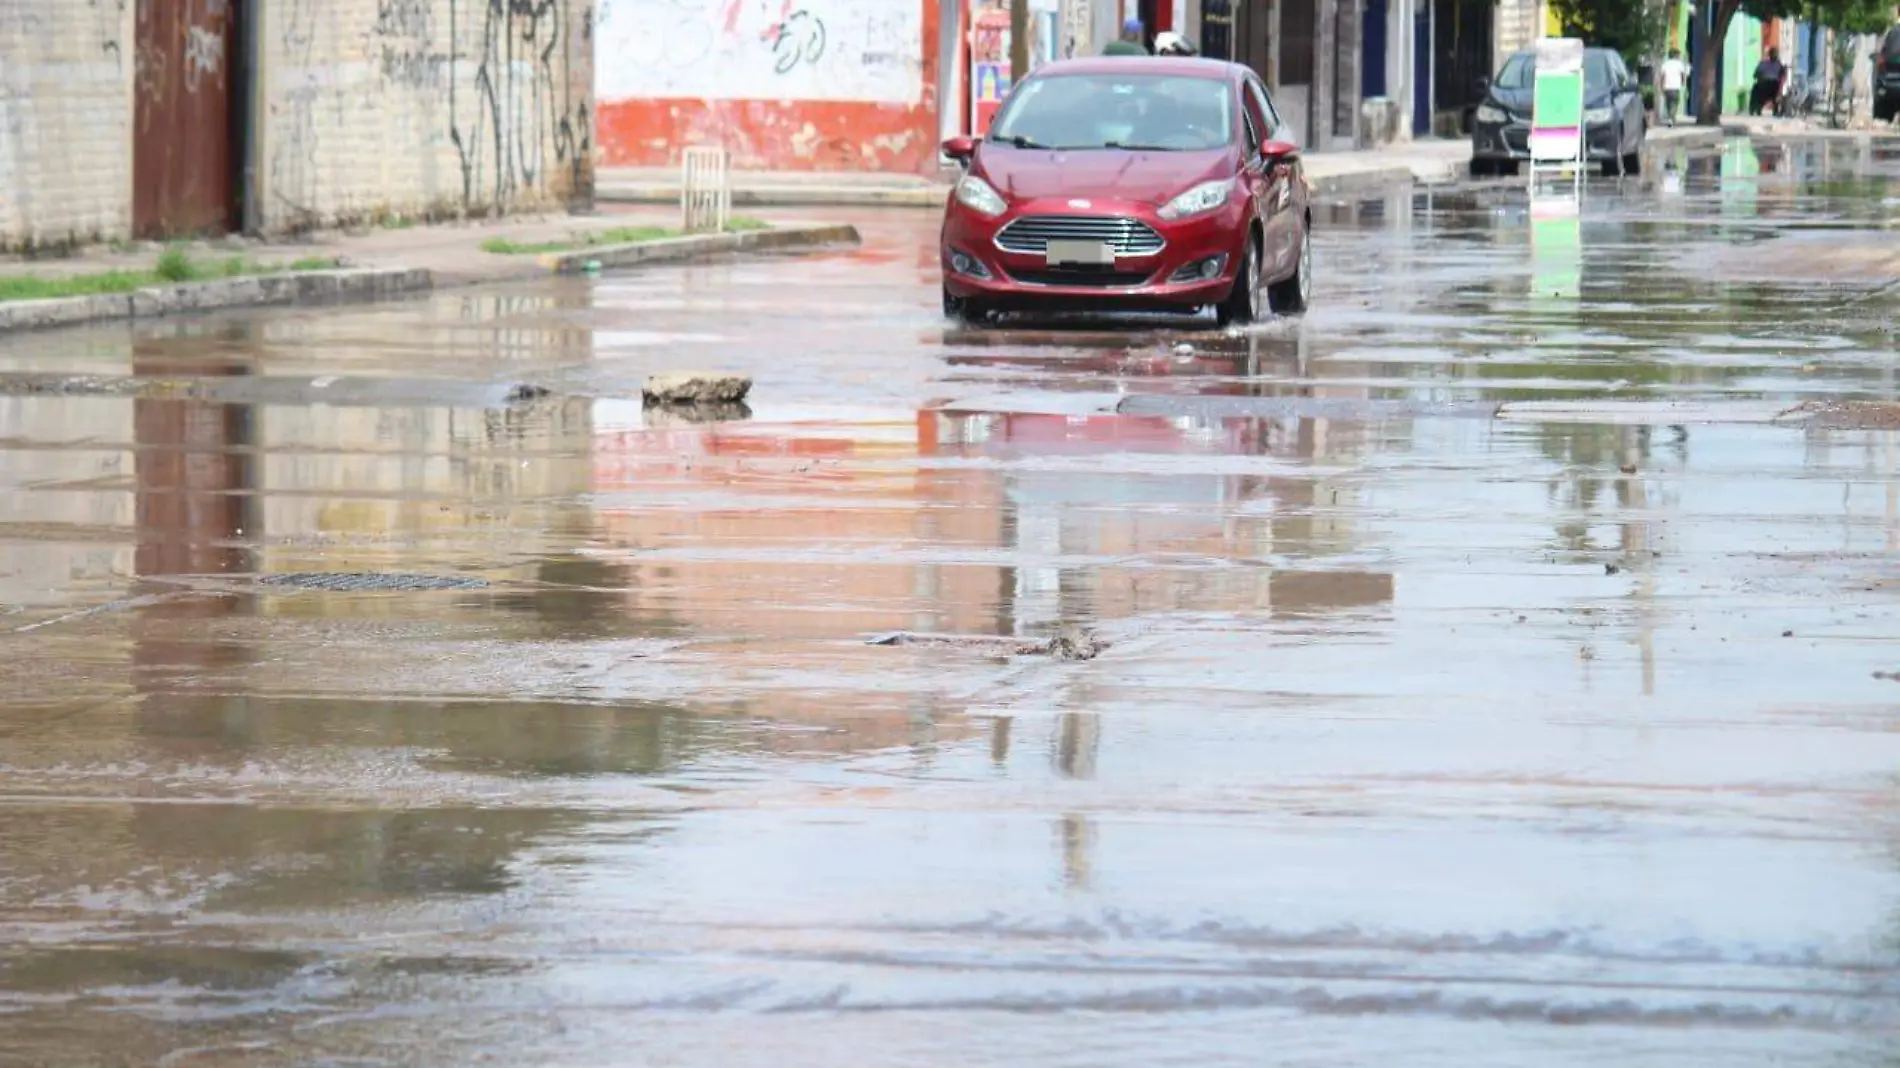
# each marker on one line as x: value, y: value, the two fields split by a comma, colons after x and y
x: 1529, y: 674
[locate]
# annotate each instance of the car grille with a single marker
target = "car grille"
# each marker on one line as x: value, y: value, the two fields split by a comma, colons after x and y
x: 1031, y: 234
x: 1517, y: 139
x: 1079, y: 276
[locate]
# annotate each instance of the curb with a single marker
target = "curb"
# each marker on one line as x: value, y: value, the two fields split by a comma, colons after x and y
x: 349, y: 285
x: 1376, y: 179
x: 786, y: 197
x: 696, y: 246
x: 359, y: 285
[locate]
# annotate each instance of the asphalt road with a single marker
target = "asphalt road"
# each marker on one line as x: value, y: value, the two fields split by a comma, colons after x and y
x: 1490, y: 667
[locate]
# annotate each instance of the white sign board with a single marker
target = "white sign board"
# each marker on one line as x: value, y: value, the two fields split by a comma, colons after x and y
x: 1556, y: 132
x: 781, y: 50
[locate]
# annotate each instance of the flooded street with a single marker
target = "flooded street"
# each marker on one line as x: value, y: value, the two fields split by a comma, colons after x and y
x: 1492, y: 663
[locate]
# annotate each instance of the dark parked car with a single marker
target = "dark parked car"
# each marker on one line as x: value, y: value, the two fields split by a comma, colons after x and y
x: 1887, y: 78
x: 1614, y: 122
x: 1138, y: 184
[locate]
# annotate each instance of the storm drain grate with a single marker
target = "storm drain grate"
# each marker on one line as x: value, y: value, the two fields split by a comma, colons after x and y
x: 368, y: 580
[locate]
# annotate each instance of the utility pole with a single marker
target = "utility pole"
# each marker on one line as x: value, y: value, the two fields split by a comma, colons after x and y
x: 1018, y: 41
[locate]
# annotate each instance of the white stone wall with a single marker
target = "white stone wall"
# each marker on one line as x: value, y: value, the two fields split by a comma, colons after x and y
x: 1518, y: 25
x: 65, y: 122
x: 436, y: 108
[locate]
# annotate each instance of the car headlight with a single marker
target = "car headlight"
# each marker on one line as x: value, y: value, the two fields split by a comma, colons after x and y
x: 1597, y: 116
x: 979, y: 196
x: 1487, y: 113
x: 1204, y: 197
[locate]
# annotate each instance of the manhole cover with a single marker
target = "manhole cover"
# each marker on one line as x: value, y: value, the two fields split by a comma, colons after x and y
x: 368, y: 580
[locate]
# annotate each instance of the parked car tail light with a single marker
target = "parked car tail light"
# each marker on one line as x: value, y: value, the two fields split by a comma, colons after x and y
x: 1204, y: 197
x: 979, y: 196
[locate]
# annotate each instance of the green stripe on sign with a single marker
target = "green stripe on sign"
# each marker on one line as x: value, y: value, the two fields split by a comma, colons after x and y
x: 1557, y: 101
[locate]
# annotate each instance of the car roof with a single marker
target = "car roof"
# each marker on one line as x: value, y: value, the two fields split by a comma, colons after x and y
x: 1177, y: 66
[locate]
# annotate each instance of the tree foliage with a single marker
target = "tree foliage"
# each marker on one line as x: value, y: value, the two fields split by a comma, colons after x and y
x: 1625, y: 25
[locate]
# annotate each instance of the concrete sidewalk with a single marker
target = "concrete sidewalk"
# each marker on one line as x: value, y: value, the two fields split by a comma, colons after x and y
x: 342, y: 266
x: 1434, y: 160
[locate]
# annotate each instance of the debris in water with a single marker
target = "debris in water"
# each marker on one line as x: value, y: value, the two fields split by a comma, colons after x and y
x: 696, y: 387
x: 526, y: 391
x: 1068, y: 645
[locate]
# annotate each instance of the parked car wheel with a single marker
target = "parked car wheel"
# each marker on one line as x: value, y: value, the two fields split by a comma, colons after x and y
x: 1884, y: 112
x: 1243, y: 301
x: 1290, y: 296
x: 1483, y: 168
x: 1633, y: 163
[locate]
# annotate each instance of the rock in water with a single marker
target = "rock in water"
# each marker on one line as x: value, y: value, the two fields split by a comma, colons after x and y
x: 696, y: 387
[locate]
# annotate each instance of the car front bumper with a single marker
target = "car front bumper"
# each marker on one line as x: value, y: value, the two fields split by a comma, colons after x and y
x: 1510, y: 140
x: 977, y: 268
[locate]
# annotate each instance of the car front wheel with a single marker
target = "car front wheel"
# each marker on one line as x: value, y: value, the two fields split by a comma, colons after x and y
x: 962, y: 309
x: 1291, y: 295
x: 1243, y: 301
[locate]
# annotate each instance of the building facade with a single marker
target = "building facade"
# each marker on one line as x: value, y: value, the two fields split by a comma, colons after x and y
x: 170, y: 118
x: 843, y: 85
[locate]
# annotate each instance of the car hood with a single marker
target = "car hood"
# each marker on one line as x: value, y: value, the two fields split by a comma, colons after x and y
x: 1155, y: 177
x: 1518, y: 101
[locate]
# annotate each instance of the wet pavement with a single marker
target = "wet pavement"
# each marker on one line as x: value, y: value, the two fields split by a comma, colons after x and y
x: 1421, y: 736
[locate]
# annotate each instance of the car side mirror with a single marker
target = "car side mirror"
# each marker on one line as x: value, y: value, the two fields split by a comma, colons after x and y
x: 1484, y: 85
x: 1277, y: 152
x: 960, y: 148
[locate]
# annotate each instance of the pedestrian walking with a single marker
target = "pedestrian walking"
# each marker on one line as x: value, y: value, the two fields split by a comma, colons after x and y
x: 1675, y: 75
x: 1771, y: 77
x: 1129, y: 43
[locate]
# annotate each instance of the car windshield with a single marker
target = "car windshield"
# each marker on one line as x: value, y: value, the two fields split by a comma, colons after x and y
x: 1519, y: 68
x: 1157, y: 112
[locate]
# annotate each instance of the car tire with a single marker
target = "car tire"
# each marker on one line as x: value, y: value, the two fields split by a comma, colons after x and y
x: 1883, y: 113
x: 1243, y: 300
x: 962, y: 309
x: 1484, y: 168
x: 1633, y: 163
x: 1291, y: 295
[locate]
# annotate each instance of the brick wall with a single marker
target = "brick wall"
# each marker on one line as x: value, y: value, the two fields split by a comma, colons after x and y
x: 434, y: 108
x: 65, y: 122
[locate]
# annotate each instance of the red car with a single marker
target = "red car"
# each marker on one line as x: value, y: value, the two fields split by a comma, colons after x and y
x: 1130, y: 183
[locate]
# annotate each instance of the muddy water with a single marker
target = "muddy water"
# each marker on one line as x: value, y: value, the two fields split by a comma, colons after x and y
x: 1422, y: 737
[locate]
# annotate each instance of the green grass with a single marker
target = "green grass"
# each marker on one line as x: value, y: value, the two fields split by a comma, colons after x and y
x: 174, y: 267
x: 619, y: 235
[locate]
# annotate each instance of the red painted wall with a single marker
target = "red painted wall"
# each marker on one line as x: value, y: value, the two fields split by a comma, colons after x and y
x: 781, y: 135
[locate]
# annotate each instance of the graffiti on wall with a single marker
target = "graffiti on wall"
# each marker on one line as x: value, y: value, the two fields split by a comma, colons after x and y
x: 792, y: 50
x: 489, y: 84
x: 520, y: 117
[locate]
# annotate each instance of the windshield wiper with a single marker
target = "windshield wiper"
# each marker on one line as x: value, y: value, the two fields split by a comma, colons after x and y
x: 1136, y: 148
x: 1019, y: 141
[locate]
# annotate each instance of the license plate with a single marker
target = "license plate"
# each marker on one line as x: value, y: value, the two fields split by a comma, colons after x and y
x: 1091, y: 253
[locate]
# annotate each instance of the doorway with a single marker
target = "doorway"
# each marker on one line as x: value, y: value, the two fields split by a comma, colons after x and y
x: 188, y: 128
